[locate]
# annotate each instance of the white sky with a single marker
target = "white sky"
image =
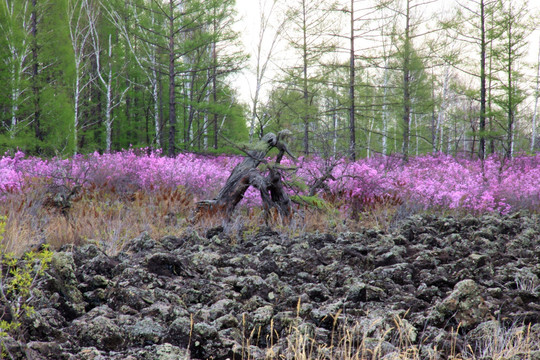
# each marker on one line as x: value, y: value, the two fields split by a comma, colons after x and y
x: 248, y: 26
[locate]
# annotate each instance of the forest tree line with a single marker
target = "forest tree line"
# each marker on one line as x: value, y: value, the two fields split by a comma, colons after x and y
x: 360, y: 77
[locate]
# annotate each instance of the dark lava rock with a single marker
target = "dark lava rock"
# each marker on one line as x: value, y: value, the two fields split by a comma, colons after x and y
x: 434, y: 282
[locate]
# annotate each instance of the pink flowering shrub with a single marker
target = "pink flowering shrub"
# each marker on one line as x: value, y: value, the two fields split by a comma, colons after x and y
x: 433, y: 182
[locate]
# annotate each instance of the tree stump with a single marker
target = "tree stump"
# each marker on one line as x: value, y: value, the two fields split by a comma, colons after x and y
x: 247, y: 174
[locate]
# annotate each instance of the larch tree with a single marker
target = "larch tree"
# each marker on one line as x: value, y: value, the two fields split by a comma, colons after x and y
x: 16, y: 26
x: 408, y: 20
x: 226, y: 56
x: 141, y: 42
x: 309, y: 36
x: 108, y: 75
x: 510, y: 51
x: 80, y: 36
x: 479, y: 32
x: 535, y: 109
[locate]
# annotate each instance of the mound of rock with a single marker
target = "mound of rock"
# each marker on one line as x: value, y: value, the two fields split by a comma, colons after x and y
x: 434, y: 287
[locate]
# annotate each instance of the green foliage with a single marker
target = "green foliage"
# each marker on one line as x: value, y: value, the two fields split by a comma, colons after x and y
x: 298, y: 183
x: 2, y: 227
x: 230, y: 149
x: 312, y: 201
x: 18, y: 279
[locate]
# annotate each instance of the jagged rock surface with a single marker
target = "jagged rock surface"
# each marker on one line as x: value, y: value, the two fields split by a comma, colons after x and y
x: 197, y: 297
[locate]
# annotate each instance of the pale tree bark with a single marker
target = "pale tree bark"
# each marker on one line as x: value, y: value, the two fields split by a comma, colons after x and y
x: 145, y: 56
x: 387, y: 20
x: 206, y: 121
x: 35, y: 72
x: 514, y: 34
x: 172, y: 37
x: 79, y: 33
x: 264, y: 55
x: 335, y: 124
x: 385, y: 111
x: 483, y: 46
x: 536, y: 95
x: 370, y: 130
x: 442, y: 112
x: 17, y: 32
x: 105, y: 75
x: 214, y: 93
x: 352, y: 100
x: 305, y: 90
x: 406, y: 84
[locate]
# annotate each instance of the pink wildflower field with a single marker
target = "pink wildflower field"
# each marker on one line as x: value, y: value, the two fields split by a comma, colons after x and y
x: 429, y: 182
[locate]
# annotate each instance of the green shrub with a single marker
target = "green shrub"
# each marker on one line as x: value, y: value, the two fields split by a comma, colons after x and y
x: 18, y: 280
x: 312, y: 201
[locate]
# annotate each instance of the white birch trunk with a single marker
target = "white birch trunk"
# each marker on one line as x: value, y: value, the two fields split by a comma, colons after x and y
x: 145, y: 56
x: 385, y: 114
x: 108, y: 111
x: 14, y: 97
x: 335, y: 123
x: 263, y: 60
x: 19, y: 49
x: 536, y: 95
x: 189, y: 95
x: 206, y: 123
x: 76, y: 108
x: 442, y: 110
x: 416, y: 133
x: 79, y: 33
x: 155, y: 91
x: 155, y: 97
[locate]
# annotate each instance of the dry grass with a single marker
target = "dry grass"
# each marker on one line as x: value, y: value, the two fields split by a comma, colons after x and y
x: 110, y: 216
x: 398, y: 342
x: 98, y: 215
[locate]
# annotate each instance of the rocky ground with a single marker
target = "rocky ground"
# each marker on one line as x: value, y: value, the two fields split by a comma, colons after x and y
x: 433, y: 283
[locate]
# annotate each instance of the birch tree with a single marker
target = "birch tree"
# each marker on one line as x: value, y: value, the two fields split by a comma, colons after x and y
x: 510, y: 52
x: 407, y: 17
x: 308, y: 34
x: 142, y: 43
x: 102, y: 43
x: 536, y: 96
x: 16, y: 27
x: 80, y: 35
x: 264, y: 53
x: 479, y: 33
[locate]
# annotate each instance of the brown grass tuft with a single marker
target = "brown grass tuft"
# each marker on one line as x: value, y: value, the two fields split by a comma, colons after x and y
x: 98, y: 214
x: 109, y: 215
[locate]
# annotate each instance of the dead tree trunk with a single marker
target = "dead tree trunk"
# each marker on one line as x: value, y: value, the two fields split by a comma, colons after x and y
x: 246, y: 174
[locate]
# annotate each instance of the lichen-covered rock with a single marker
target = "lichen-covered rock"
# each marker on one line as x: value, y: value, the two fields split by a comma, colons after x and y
x: 37, y: 350
x: 64, y: 283
x: 440, y: 283
x: 166, y: 352
x: 101, y: 332
x: 180, y: 331
x: 146, y: 331
x: 465, y: 304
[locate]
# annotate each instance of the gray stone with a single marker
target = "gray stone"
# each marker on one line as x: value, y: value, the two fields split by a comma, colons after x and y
x: 100, y: 332
x: 146, y: 331
x: 465, y: 304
